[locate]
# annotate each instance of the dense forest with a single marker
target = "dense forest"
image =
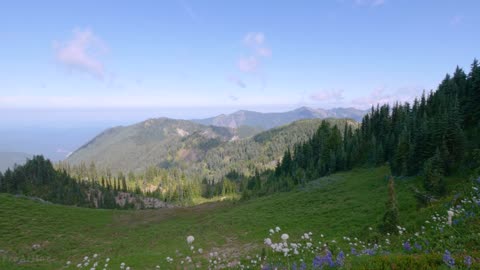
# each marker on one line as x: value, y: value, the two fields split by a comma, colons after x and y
x: 435, y: 136
x: 38, y: 178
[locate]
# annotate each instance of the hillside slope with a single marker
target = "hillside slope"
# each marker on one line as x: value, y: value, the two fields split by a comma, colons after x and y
x: 45, y: 236
x: 157, y: 142
x: 194, y: 148
x: 345, y: 203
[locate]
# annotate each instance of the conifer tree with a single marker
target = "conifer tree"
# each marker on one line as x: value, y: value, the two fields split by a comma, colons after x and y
x: 391, y: 216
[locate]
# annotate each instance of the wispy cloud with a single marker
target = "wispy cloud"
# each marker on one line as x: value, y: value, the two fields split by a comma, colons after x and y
x: 456, y: 20
x: 382, y: 96
x: 237, y: 81
x: 328, y: 96
x: 256, y: 43
x: 248, y: 64
x: 81, y: 53
x: 370, y: 3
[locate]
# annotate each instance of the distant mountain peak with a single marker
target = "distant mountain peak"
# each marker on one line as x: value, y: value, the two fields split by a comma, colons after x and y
x: 270, y: 120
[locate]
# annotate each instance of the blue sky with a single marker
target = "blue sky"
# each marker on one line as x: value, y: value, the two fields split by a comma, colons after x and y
x: 128, y: 60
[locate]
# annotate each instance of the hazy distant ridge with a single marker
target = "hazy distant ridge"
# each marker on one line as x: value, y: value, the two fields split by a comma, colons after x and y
x: 271, y: 120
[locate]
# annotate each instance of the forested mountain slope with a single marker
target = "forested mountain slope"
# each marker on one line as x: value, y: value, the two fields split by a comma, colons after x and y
x: 194, y: 149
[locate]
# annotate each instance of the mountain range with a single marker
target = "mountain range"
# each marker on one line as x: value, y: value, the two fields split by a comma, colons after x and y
x: 269, y: 120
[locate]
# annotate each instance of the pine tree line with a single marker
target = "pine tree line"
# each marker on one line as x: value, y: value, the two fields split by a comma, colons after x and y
x: 434, y: 136
x: 38, y: 178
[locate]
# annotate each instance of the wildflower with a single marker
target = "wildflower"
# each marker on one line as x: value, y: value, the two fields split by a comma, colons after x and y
x: 190, y: 239
x: 107, y: 260
x: 448, y: 259
x: 267, y: 241
x: 467, y: 261
x: 407, y: 246
x: 340, y: 258
x: 277, y: 229
x: 200, y: 250
x: 272, y: 231
x: 319, y: 262
x: 69, y: 262
x: 284, y: 237
x: 450, y: 215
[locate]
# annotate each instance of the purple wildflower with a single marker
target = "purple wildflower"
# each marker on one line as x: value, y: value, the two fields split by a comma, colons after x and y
x: 448, y: 259
x: 353, y: 251
x: 407, y: 246
x: 319, y: 261
x: 467, y: 261
x: 340, y: 258
x: 303, y: 266
x: 417, y: 246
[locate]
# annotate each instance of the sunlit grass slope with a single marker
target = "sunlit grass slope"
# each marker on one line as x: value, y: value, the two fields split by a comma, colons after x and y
x: 344, y: 203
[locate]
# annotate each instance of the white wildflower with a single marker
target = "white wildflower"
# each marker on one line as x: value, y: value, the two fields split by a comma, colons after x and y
x: 268, y: 241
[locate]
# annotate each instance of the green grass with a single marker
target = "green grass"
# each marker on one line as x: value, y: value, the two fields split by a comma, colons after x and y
x: 342, y: 204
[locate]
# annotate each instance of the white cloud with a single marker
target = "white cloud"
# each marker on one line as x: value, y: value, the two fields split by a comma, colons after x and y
x: 328, y: 96
x: 256, y: 43
x: 248, y: 64
x: 81, y: 53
